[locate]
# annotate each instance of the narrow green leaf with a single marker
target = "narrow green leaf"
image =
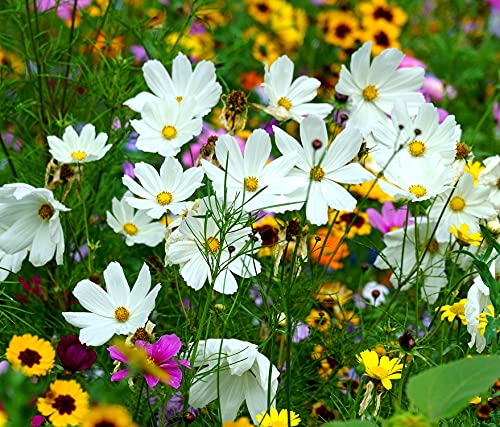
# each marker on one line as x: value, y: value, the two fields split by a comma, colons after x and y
x: 445, y: 390
x: 354, y: 423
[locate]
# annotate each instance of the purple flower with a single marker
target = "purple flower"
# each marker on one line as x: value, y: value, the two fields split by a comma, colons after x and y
x: 442, y: 114
x: 128, y: 169
x: 174, y: 408
x: 160, y: 353
x: 496, y: 114
x: 256, y: 295
x: 74, y: 355
x: 139, y: 53
x: 301, y: 332
x: 390, y: 218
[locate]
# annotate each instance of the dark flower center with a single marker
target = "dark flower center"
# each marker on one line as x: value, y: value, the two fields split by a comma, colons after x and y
x: 29, y: 357
x: 383, y: 13
x: 105, y: 424
x: 382, y: 39
x: 350, y: 216
x: 342, y: 30
x: 64, y: 404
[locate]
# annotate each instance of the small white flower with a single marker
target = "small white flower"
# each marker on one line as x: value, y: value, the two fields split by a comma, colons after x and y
x: 249, y: 179
x: 233, y: 371
x: 375, y: 293
x: 404, y: 248
x: 467, y: 205
x: 420, y: 137
x: 321, y: 168
x: 374, y: 88
x: 74, y: 148
x: 136, y: 226
x: 198, y: 85
x: 166, y: 191
x: 166, y: 126
x: 117, y: 311
x: 30, y: 221
x: 287, y: 99
x: 203, y: 252
x: 490, y: 176
x: 416, y: 179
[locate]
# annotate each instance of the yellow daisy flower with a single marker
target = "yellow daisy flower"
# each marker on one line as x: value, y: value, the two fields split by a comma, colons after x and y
x: 65, y: 403
x: 265, y: 48
x: 275, y: 419
x: 33, y: 355
x: 339, y: 28
x: 108, y: 415
x: 454, y: 310
x: 464, y: 236
x: 261, y: 10
x: 382, y: 35
x: 240, y: 422
x: 319, y: 320
x: 379, y: 10
x: 474, y: 169
x: 483, y: 319
x: 383, y: 369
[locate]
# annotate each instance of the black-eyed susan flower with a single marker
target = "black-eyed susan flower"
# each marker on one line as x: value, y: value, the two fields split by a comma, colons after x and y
x: 350, y: 224
x: 261, y: 10
x: 65, y: 403
x: 319, y: 320
x: 265, y: 48
x: 383, y: 369
x: 381, y: 11
x: 383, y: 36
x: 333, y: 293
x: 273, y: 418
x: 339, y: 28
x: 33, y: 355
x: 450, y: 312
x: 464, y: 236
x: 108, y: 416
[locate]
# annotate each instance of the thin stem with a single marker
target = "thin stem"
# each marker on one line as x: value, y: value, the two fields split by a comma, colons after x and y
x: 7, y: 155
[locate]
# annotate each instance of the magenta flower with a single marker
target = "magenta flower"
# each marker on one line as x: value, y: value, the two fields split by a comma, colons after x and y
x: 389, y: 219
x: 160, y: 353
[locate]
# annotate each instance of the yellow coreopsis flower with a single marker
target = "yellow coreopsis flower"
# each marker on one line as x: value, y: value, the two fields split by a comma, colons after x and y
x: 275, y: 419
x: 383, y: 369
x: 450, y: 312
x: 464, y: 236
x: 108, y: 415
x: 33, y: 355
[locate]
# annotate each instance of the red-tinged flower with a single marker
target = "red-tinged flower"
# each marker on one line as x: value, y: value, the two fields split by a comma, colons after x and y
x: 74, y: 355
x: 154, y: 360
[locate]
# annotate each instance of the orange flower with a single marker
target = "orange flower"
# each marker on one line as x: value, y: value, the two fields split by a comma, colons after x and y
x: 250, y: 79
x: 328, y: 251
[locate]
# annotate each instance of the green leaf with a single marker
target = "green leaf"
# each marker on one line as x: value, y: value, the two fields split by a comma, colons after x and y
x: 354, y: 423
x: 445, y: 390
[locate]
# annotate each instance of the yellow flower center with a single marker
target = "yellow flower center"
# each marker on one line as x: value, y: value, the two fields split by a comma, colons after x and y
x: 251, y: 183
x: 416, y: 148
x: 45, y: 211
x: 285, y: 103
x: 418, y: 190
x: 169, y: 132
x: 78, y: 155
x: 457, y: 204
x: 122, y: 314
x: 130, y: 229
x: 370, y: 93
x: 213, y: 245
x: 178, y: 99
x: 317, y: 173
x: 378, y: 372
x: 164, y: 198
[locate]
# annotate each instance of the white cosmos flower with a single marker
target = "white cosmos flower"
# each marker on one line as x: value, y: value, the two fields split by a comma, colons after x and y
x: 186, y: 84
x: 321, y: 168
x: 417, y: 179
x: 374, y: 88
x: 30, y: 221
x: 490, y: 176
x: 287, y: 99
x: 118, y: 311
x: 467, y: 205
x: 164, y: 191
x: 136, y: 226
x: 166, y: 126
x: 375, y: 293
x: 248, y: 178
x: 233, y: 371
x: 74, y: 148
x: 11, y: 263
x: 404, y: 248
x: 420, y: 136
x: 204, y: 253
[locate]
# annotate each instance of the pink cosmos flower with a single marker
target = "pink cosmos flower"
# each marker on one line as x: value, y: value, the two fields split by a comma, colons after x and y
x: 160, y: 353
x: 390, y: 217
x: 410, y: 61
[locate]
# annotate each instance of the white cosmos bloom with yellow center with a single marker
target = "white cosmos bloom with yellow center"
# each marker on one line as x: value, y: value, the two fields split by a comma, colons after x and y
x: 118, y: 310
x: 74, y: 148
x: 29, y: 219
x: 249, y: 178
x: 161, y: 192
x: 374, y: 88
x: 185, y: 84
x: 321, y: 168
x: 166, y: 126
x: 204, y: 253
x: 288, y: 98
x: 468, y: 204
x: 419, y: 137
x: 136, y: 226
